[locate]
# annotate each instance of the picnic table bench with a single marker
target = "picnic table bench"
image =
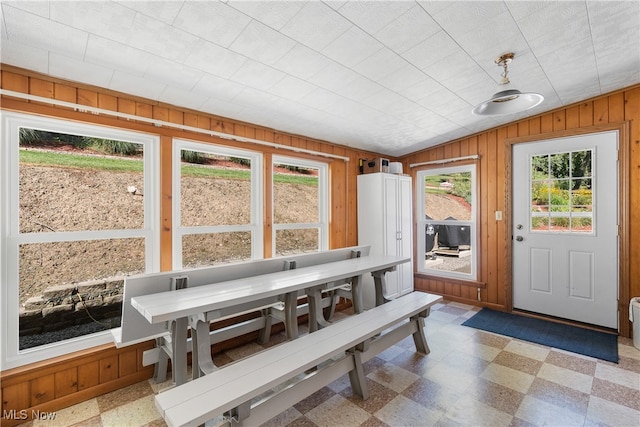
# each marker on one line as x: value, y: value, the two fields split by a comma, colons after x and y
x: 196, y: 307
x: 242, y: 392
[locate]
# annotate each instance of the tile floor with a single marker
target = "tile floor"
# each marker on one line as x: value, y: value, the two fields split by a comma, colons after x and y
x: 470, y: 378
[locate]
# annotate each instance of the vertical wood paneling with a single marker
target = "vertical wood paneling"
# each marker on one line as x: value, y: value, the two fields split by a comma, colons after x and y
x: 88, y: 375
x: 108, y: 102
x: 586, y: 114
x: 573, y: 117
x: 16, y: 396
x: 66, y: 382
x: 65, y: 93
x: 108, y: 369
x: 42, y: 389
x: 87, y: 97
x: 632, y: 113
x: 546, y: 123
x: 127, y: 363
x: 601, y: 110
x: 268, y: 202
x: 166, y: 204
x: 616, y: 108
x: 559, y: 120
x: 487, y: 221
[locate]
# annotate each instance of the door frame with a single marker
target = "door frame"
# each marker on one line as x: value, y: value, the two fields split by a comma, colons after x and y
x: 623, y: 212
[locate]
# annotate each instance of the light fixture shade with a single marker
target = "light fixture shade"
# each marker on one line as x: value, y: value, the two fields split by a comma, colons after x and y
x: 508, y: 102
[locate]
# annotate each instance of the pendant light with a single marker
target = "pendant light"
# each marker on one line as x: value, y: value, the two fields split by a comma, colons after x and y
x: 507, y: 101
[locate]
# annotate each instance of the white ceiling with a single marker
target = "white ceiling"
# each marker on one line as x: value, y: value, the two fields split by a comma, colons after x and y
x: 392, y: 77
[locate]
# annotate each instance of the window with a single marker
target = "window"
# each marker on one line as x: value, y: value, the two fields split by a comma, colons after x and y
x: 217, y: 205
x: 300, y: 206
x: 447, y: 207
x: 78, y: 215
x: 561, y: 193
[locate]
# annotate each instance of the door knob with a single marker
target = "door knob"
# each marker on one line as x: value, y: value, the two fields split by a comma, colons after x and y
x: 519, y: 238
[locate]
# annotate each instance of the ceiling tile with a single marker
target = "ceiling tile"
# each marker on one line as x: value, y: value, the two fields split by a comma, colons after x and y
x: 109, y: 53
x: 262, y: 43
x: 135, y: 85
x: 275, y: 14
x: 22, y: 56
x: 563, y: 21
x: 316, y: 25
x: 217, y: 87
x: 50, y: 35
x: 176, y: 96
x: 409, y: 29
x: 213, y: 21
x: 377, y: 75
x: 109, y: 20
x: 351, y: 47
x: 431, y: 51
x: 40, y: 8
x: 372, y: 19
x: 291, y: 87
x: 213, y: 59
x: 74, y: 69
x: 153, y: 36
x: 303, y: 62
x: 173, y: 74
x: 257, y: 75
x: 381, y: 64
x: 162, y: 10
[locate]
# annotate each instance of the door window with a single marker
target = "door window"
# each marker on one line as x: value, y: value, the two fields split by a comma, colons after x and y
x: 561, y: 192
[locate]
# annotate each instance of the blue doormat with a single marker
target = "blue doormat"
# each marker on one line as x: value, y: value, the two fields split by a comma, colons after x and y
x: 600, y: 345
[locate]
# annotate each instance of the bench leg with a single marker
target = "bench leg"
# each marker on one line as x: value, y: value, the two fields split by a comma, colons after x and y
x: 160, y: 368
x: 419, y: 338
x: 356, y: 376
x: 238, y: 414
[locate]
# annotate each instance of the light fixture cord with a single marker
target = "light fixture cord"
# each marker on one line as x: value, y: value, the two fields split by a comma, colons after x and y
x: 505, y: 78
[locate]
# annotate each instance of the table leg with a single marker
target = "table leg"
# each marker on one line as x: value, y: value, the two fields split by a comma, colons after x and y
x: 201, y: 352
x: 179, y: 344
x: 380, y: 284
x: 316, y: 316
x: 356, y: 294
x: 291, y: 315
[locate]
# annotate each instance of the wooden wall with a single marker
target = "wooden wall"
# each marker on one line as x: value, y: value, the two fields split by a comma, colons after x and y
x: 619, y: 110
x: 67, y: 380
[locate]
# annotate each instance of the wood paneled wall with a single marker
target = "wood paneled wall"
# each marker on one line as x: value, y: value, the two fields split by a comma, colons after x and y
x: 620, y: 109
x: 58, y: 383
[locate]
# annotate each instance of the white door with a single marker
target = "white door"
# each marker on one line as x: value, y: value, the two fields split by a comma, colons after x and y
x: 565, y: 243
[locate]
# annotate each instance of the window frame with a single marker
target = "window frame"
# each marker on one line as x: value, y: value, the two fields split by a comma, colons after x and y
x: 323, y: 201
x: 255, y: 226
x: 421, y: 222
x: 11, y: 356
